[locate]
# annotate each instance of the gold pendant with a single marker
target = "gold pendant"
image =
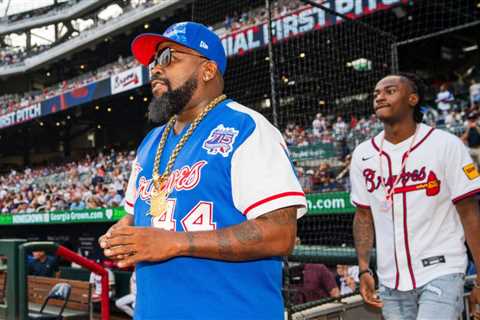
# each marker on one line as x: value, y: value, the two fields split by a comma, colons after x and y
x: 158, y: 200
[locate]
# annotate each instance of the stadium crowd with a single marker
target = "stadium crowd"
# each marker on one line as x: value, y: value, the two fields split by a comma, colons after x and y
x: 13, y: 102
x: 238, y: 21
x: 94, y: 182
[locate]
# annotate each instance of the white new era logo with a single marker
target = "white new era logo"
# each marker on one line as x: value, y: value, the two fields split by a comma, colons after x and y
x: 203, y: 45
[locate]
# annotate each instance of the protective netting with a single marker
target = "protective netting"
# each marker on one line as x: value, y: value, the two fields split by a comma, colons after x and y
x: 326, y: 62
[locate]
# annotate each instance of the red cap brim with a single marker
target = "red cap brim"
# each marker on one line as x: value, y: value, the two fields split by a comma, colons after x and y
x: 145, y: 45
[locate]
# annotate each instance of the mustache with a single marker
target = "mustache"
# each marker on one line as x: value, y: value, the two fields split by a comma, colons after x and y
x: 156, y: 77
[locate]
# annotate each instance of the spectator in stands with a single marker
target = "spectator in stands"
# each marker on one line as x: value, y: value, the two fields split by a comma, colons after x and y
x: 43, y: 265
x: 127, y: 302
x: 340, y: 127
x: 444, y: 98
x: 305, y: 179
x: 474, y: 93
x: 347, y: 277
x: 471, y: 137
x: 77, y: 203
x: 311, y: 281
x: 288, y: 134
x: 323, y: 178
x: 319, y: 125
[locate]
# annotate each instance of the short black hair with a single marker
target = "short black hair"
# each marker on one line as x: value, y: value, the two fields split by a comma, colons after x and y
x: 418, y: 87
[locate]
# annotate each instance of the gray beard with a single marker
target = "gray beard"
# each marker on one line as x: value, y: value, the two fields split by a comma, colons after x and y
x: 172, y: 102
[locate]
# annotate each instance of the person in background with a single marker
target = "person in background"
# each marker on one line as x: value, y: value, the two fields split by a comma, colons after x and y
x: 474, y: 93
x: 43, y: 265
x: 96, y: 281
x: 471, y: 137
x: 444, y: 99
x: 127, y: 302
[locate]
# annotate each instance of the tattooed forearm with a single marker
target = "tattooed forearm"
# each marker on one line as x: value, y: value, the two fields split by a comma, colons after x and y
x: 272, y: 234
x: 191, y: 243
x: 363, y: 235
x: 224, y: 244
x: 248, y: 233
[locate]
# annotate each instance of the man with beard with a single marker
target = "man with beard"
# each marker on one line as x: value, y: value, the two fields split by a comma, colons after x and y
x: 212, y: 198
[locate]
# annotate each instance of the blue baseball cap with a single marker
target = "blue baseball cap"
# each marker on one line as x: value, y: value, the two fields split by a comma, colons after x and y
x: 189, y: 34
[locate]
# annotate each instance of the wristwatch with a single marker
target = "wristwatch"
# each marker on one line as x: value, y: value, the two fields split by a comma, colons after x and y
x: 365, y: 271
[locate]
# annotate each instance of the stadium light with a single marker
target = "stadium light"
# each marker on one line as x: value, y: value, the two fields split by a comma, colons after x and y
x: 109, y: 109
x: 99, y: 126
x: 41, y: 124
x: 267, y: 58
x: 145, y: 99
x: 57, y: 124
x: 97, y: 107
x: 68, y: 117
x: 470, y: 48
x: 82, y: 66
x: 146, y: 26
x: 48, y: 74
x: 131, y: 98
x: 302, y: 55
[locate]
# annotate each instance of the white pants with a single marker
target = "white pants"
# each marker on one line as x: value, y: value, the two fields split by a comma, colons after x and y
x: 126, y: 304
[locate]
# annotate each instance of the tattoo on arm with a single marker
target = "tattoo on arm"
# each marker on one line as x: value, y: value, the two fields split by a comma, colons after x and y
x: 224, y: 244
x: 191, y: 243
x: 248, y: 233
x: 284, y: 217
x: 363, y: 235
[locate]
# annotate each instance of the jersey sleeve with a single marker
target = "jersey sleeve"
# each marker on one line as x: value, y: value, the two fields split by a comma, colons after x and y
x: 262, y: 177
x: 131, y: 193
x: 359, y: 194
x: 462, y: 177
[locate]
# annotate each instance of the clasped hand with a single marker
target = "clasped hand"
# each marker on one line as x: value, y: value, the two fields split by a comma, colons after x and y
x: 130, y: 245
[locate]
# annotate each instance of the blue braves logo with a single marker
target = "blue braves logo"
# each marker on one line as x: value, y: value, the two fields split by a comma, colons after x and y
x: 178, y: 32
x: 220, y: 140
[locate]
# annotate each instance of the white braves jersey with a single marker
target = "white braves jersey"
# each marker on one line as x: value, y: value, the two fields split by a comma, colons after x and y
x: 421, y: 236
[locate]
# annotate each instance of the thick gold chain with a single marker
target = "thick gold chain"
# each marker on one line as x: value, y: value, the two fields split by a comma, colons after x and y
x: 158, y: 180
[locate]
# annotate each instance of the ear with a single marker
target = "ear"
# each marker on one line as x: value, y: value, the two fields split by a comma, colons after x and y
x: 209, y: 71
x: 413, y: 99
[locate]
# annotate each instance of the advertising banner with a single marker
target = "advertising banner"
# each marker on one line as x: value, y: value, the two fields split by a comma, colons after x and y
x: 329, y: 202
x: 313, y: 152
x: 22, y: 115
x: 127, y: 80
x: 72, y: 216
x: 301, y: 21
x: 76, y: 97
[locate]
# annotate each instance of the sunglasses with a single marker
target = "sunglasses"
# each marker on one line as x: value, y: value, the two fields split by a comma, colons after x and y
x: 163, y: 58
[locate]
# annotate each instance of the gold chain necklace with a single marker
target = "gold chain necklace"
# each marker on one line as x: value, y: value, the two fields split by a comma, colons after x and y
x: 159, y: 195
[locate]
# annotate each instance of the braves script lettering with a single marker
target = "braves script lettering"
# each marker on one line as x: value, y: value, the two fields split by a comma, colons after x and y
x: 373, y: 182
x: 186, y: 178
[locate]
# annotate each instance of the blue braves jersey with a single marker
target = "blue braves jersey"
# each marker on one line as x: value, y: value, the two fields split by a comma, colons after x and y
x: 234, y: 167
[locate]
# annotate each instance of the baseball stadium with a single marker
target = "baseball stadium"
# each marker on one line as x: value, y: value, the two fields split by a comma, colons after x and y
x: 299, y: 115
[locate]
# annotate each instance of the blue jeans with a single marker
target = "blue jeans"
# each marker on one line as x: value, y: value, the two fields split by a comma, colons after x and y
x: 439, y: 299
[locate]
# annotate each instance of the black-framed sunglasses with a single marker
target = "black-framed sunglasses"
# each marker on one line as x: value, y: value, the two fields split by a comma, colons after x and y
x: 164, y: 57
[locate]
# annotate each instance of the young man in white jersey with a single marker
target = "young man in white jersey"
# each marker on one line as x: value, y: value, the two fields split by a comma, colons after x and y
x: 413, y: 187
